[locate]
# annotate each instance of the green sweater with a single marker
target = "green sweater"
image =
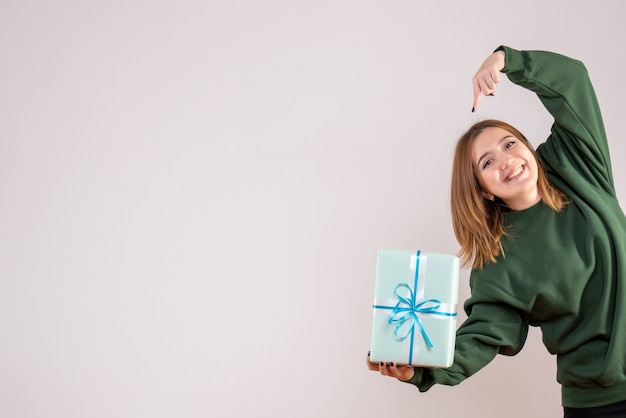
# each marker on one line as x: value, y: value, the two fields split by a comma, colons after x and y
x: 565, y: 272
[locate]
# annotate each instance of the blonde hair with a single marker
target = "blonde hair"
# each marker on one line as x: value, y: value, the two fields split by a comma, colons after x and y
x: 478, y: 223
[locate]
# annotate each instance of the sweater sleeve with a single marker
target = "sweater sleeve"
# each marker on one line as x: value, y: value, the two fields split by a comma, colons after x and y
x: 578, y: 140
x: 491, y: 327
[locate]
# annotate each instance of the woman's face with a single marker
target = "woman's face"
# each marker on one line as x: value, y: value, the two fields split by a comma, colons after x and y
x: 506, y: 168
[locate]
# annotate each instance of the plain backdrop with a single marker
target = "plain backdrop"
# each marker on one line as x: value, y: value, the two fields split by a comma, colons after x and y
x: 192, y: 195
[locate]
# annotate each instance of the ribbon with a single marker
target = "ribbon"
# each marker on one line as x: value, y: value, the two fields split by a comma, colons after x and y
x: 408, y: 310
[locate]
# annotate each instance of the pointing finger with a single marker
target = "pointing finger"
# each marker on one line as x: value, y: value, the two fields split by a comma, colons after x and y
x: 476, y: 86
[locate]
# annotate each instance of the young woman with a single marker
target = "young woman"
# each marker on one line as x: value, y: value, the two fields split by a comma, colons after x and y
x: 546, y: 239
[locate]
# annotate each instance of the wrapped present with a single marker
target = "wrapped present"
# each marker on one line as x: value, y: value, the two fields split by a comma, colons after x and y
x: 415, y: 302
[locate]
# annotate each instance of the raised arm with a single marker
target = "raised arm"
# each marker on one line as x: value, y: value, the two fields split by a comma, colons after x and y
x: 564, y: 87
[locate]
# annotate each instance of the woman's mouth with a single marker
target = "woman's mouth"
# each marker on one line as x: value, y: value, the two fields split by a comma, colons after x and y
x: 514, y: 174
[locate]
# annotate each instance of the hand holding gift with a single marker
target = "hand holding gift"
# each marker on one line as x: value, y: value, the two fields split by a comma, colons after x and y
x: 404, y: 372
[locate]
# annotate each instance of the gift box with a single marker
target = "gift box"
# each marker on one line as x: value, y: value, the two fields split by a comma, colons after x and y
x: 415, y: 303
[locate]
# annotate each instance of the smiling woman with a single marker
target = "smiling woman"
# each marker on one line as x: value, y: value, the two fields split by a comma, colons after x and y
x: 506, y: 168
x: 546, y: 237
x: 486, y: 158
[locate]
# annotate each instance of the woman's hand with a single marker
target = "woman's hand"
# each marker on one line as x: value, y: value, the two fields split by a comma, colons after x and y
x: 487, y: 76
x: 391, y: 369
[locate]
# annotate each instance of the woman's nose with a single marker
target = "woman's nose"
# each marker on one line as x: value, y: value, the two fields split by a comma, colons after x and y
x: 506, y: 162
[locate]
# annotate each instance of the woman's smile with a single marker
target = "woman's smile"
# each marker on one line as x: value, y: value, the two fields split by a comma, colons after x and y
x: 514, y: 174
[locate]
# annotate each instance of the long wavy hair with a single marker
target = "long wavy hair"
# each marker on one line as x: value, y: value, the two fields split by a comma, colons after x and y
x: 478, y: 222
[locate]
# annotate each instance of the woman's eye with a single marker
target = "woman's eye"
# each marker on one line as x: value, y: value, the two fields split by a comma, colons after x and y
x: 487, y: 163
x: 510, y: 144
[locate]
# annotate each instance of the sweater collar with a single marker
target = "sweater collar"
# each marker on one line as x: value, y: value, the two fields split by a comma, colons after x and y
x: 526, y: 215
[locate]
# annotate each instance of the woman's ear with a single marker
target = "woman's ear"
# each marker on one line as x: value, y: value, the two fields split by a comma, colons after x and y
x: 488, y: 196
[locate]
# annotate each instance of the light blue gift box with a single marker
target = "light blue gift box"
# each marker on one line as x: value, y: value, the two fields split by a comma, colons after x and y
x: 415, y: 302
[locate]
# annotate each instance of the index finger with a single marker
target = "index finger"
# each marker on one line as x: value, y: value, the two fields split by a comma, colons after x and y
x: 477, y: 93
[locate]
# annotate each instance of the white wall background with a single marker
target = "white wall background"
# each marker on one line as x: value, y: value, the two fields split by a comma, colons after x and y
x: 192, y: 194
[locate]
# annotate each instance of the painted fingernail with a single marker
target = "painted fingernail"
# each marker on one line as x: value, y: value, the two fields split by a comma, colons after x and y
x: 382, y: 364
x: 491, y: 94
x: 368, y: 353
x: 472, y: 110
x: 392, y: 364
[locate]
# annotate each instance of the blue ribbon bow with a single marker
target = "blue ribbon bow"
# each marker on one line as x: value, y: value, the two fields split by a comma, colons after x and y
x: 407, y: 309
